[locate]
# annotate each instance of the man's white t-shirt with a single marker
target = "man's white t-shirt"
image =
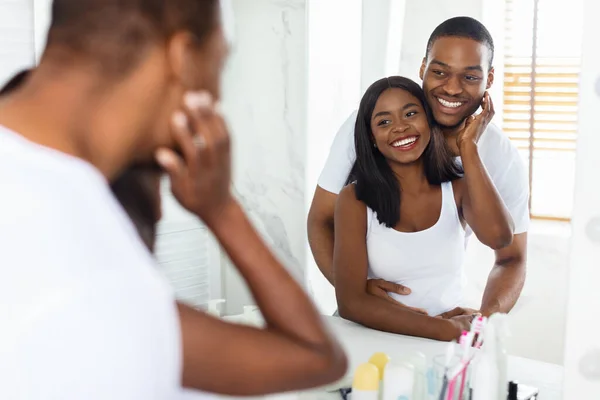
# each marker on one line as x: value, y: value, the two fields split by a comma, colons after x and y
x: 84, y: 313
x: 499, y: 156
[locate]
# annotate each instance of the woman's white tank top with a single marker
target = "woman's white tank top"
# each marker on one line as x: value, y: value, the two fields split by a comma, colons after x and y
x: 429, y: 262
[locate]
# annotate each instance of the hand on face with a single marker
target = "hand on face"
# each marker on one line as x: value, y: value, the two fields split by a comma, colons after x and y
x: 476, y: 125
x: 201, y: 176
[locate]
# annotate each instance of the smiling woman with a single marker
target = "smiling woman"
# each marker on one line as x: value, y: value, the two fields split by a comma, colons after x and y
x: 408, y: 196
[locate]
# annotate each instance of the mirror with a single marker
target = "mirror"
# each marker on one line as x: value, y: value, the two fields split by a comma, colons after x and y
x: 299, y: 68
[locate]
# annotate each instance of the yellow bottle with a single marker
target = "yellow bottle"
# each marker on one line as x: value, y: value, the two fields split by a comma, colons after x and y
x: 380, y: 360
x: 365, y: 385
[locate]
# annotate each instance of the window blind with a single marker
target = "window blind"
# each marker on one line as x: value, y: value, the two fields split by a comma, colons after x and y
x: 541, y: 78
x: 187, y: 253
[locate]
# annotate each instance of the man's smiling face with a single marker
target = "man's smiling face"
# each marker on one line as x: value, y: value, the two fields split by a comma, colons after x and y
x: 456, y: 73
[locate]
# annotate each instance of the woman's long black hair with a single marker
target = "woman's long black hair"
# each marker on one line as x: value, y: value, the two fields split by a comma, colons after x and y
x: 376, y: 184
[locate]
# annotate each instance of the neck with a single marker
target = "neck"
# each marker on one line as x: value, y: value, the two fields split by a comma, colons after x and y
x: 411, y: 177
x: 72, y: 111
x: 451, y: 134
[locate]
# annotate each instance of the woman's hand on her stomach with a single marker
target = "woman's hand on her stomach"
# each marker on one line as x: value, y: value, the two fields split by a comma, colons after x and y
x: 380, y: 288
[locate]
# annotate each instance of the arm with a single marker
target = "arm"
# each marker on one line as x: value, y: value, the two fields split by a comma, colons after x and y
x: 350, y: 271
x: 320, y: 231
x: 507, y: 278
x: 482, y: 206
x: 331, y: 181
x: 294, y: 351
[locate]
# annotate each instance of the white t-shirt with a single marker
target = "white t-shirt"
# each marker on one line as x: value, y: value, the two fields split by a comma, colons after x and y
x: 499, y: 156
x: 84, y: 313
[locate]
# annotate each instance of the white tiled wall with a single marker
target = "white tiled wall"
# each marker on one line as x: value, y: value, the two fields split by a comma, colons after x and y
x: 16, y: 37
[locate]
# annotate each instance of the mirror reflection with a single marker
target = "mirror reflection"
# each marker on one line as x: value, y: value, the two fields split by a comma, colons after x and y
x: 410, y: 164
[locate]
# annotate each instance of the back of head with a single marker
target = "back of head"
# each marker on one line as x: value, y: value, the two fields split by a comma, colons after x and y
x: 463, y: 27
x: 115, y: 33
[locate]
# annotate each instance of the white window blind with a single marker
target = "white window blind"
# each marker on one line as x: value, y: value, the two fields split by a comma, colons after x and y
x: 541, y: 76
x: 16, y: 37
x: 187, y: 253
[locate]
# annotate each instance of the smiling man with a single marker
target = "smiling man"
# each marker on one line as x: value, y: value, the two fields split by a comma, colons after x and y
x: 456, y: 71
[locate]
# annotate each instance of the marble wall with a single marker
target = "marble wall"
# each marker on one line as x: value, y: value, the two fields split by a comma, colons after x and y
x: 265, y: 99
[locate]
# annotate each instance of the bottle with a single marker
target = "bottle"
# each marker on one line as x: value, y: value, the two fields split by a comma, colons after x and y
x: 365, y: 385
x: 500, y: 323
x: 489, y: 374
x: 213, y: 307
x: 398, y: 381
x: 419, y: 361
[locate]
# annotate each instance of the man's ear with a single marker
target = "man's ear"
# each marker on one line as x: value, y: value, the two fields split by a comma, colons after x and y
x: 178, y: 53
x: 490, y: 78
x: 422, y: 70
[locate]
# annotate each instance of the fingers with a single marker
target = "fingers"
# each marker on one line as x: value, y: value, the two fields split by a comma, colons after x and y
x: 393, y: 287
x: 170, y: 162
x: 452, y: 313
x: 491, y: 106
x: 487, y: 107
x: 198, y: 108
x: 209, y: 127
x: 183, y: 136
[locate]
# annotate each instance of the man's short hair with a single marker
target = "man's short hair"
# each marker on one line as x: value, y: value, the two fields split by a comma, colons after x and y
x: 115, y: 33
x: 464, y: 27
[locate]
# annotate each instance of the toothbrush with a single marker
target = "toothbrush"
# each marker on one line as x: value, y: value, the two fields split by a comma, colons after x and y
x: 466, y: 344
x: 448, y: 360
x: 479, y: 327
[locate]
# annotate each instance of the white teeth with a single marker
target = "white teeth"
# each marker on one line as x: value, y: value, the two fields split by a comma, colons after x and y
x: 449, y: 104
x: 404, y: 142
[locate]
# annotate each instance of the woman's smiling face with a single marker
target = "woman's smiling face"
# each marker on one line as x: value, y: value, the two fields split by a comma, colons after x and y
x: 400, y: 127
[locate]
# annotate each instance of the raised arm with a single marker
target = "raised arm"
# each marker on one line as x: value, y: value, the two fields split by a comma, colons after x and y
x: 482, y: 206
x: 350, y: 271
x: 295, y: 350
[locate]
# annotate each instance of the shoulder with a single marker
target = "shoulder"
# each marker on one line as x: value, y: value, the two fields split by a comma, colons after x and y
x: 347, y: 201
x: 348, y: 194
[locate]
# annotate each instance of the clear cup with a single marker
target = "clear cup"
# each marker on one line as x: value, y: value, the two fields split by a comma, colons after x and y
x: 436, y: 378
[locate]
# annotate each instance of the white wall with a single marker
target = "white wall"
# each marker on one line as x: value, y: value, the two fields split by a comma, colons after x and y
x: 265, y: 99
x: 582, y: 353
x: 16, y: 37
x: 41, y: 19
x: 382, y: 33
x: 334, y: 90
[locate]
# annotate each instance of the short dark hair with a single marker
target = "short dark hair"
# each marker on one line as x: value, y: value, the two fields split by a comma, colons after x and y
x: 133, y: 189
x: 376, y: 184
x: 464, y: 27
x: 115, y: 32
